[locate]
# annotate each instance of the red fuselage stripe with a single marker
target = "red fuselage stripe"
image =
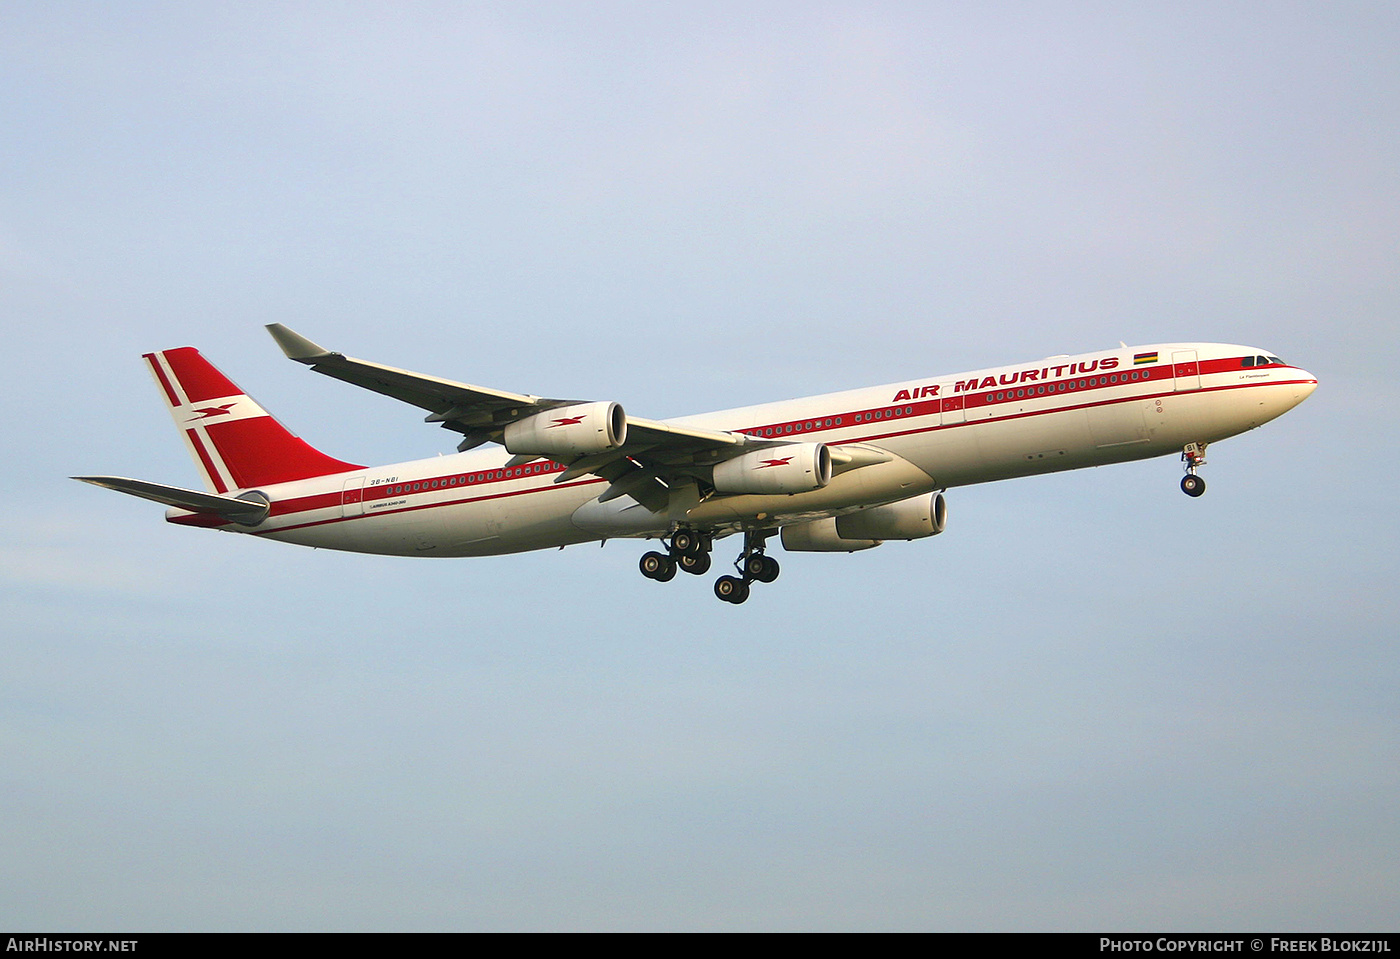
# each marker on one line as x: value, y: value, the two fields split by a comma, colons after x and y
x: 921, y: 408
x: 423, y: 506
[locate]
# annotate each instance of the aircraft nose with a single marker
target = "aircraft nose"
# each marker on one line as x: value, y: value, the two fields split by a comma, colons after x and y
x: 1303, y: 389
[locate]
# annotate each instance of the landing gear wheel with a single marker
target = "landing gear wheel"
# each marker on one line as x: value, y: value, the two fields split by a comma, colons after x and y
x: 762, y: 568
x: 686, y: 543
x: 697, y: 565
x: 1194, y: 456
x: 754, y: 565
x: 658, y: 566
x: 731, y: 589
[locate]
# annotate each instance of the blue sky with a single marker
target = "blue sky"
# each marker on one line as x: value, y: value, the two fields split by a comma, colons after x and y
x: 1091, y: 704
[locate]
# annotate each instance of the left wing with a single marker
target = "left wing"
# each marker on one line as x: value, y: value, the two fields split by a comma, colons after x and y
x: 642, y: 458
x: 474, y: 411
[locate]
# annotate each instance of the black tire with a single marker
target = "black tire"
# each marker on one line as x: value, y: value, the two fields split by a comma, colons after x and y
x: 695, y: 565
x: 686, y: 543
x: 1192, y: 485
x: 770, y: 570
x: 657, y: 566
x: 731, y: 589
x: 755, y: 565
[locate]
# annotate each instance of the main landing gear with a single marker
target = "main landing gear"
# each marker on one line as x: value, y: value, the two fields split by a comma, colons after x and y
x: 1194, y: 455
x: 754, y: 566
x: 690, y: 551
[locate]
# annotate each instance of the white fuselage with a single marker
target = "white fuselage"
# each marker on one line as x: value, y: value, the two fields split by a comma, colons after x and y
x: 1060, y: 413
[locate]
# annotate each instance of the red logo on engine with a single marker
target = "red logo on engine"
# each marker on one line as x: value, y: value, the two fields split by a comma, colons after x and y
x: 782, y: 462
x: 567, y: 421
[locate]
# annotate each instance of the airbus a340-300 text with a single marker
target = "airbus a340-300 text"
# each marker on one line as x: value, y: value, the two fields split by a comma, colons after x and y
x: 834, y: 473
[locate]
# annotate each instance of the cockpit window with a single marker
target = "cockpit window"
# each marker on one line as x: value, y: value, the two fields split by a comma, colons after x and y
x: 1247, y: 362
x: 1275, y: 359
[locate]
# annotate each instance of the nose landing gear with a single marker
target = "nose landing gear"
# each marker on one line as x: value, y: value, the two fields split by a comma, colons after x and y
x: 1194, y: 455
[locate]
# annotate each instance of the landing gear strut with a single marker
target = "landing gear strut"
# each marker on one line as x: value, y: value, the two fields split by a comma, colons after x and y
x: 753, y: 566
x: 1194, y: 455
x: 690, y: 551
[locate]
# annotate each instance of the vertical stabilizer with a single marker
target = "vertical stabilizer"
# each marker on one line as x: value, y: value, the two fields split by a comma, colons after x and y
x: 235, y: 442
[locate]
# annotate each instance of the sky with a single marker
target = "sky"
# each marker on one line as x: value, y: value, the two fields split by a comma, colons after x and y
x: 1091, y: 704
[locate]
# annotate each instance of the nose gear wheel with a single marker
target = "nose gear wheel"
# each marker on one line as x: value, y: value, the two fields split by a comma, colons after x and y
x: 1194, y: 456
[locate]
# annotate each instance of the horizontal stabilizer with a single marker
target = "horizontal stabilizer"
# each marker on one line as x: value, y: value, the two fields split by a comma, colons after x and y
x: 243, y: 511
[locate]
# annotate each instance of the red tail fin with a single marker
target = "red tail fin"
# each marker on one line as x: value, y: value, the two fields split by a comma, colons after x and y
x: 234, y: 441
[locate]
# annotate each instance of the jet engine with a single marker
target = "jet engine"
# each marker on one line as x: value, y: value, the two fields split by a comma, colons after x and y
x: 569, y: 430
x: 820, y: 536
x: 790, y: 468
x: 912, y: 518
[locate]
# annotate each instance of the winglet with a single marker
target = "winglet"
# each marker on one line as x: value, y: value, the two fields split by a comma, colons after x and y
x: 296, y: 346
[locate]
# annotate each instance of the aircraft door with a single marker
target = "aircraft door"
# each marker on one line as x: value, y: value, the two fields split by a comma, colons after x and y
x: 1186, y: 371
x: 352, y: 497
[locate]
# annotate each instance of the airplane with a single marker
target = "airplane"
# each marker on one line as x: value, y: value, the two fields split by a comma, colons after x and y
x: 839, y: 472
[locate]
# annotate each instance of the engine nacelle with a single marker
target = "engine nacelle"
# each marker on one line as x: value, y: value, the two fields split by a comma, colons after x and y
x: 790, y: 468
x: 820, y: 536
x: 912, y: 518
x: 569, y: 430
